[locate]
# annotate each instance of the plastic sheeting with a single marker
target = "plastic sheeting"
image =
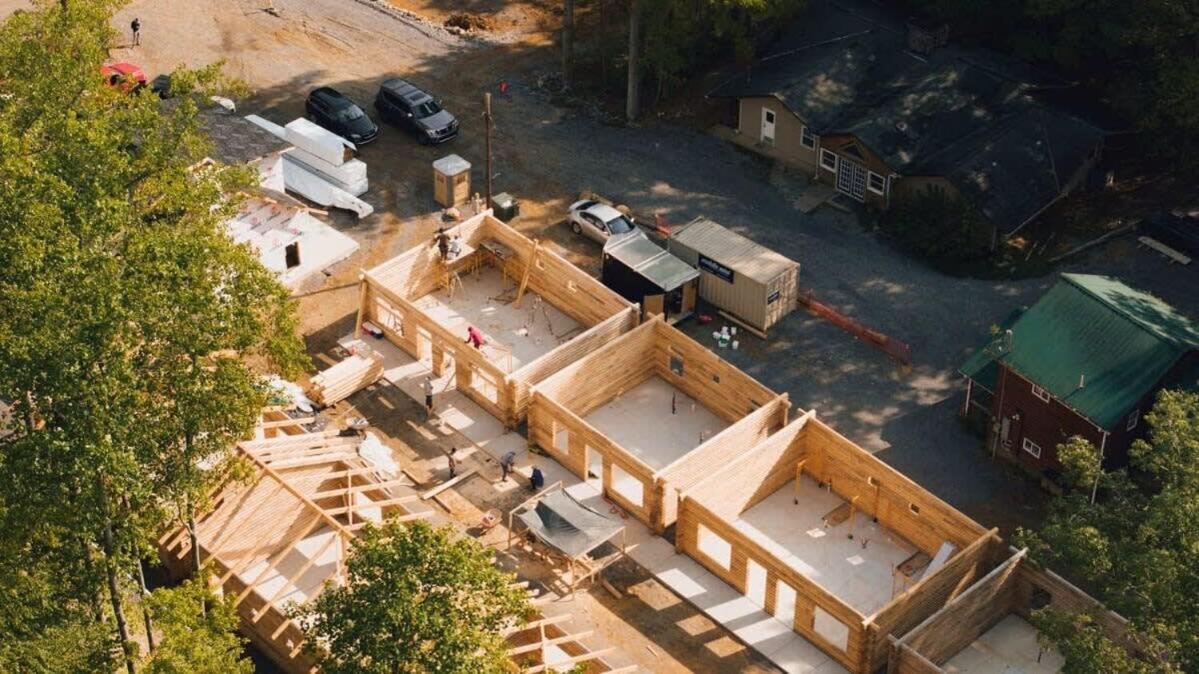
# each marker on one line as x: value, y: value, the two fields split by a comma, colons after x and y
x: 567, y: 525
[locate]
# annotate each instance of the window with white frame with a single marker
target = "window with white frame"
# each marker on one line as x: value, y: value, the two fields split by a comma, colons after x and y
x: 807, y: 138
x: 1040, y: 393
x: 828, y: 160
x: 1133, y: 419
x: 876, y: 183
x: 1032, y: 448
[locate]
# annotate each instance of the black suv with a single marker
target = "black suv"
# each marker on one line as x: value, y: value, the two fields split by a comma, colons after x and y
x: 329, y: 108
x: 401, y: 103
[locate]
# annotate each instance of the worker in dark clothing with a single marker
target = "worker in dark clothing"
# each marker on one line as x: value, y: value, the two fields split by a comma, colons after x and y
x: 136, y: 27
x: 506, y: 464
x: 536, y: 479
x: 443, y: 242
x: 452, y: 462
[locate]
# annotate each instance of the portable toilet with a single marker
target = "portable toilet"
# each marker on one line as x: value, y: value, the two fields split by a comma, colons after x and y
x: 451, y: 180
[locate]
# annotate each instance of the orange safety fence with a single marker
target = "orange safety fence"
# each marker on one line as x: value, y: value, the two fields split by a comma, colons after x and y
x: 894, y: 348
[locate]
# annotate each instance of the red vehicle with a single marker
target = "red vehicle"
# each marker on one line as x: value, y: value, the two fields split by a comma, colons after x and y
x: 124, y: 75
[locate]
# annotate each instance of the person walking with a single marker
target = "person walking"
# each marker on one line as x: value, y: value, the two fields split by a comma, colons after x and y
x: 536, y: 479
x: 506, y: 463
x: 474, y: 337
x: 443, y: 243
x: 136, y: 27
x: 428, y: 387
x: 453, y: 462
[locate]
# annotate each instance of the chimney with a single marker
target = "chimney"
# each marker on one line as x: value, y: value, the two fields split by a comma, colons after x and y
x: 925, y: 38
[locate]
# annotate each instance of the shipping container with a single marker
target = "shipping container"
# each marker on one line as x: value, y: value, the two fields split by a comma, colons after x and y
x: 748, y: 281
x: 641, y: 271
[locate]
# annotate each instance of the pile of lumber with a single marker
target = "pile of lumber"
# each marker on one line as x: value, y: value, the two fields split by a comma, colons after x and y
x: 343, y: 379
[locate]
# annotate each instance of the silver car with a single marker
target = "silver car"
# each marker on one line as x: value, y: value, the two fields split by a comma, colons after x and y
x: 597, y: 221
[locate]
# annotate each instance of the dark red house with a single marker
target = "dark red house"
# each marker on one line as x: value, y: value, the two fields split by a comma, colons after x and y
x: 1086, y: 359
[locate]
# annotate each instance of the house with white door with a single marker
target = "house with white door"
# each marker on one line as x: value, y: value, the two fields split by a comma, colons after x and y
x: 879, y: 107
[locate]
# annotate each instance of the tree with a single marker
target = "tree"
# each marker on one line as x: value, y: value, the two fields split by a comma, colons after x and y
x: 132, y: 329
x: 1081, y: 463
x: 199, y: 631
x: 939, y: 226
x: 1135, y: 547
x: 416, y: 600
x: 1086, y: 649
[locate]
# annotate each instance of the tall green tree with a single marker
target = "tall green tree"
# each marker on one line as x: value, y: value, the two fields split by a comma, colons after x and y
x: 417, y: 600
x: 132, y: 329
x: 198, y: 631
x: 1137, y: 546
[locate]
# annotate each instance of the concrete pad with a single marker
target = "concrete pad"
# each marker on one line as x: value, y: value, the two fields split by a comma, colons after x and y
x: 1010, y: 647
x: 857, y: 570
x: 800, y: 656
x: 640, y: 421
x: 516, y: 336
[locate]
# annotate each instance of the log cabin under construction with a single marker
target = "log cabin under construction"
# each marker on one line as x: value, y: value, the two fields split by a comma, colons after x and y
x: 869, y: 567
x: 536, y: 311
x: 648, y: 415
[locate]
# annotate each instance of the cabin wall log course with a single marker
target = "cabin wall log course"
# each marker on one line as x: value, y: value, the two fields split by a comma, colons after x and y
x: 393, y: 287
x: 561, y: 402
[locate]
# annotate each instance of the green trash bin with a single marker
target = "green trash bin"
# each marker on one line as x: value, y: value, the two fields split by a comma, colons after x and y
x: 505, y: 206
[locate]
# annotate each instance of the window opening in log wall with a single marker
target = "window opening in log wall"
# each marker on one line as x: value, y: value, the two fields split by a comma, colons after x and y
x: 714, y: 547
x: 630, y: 488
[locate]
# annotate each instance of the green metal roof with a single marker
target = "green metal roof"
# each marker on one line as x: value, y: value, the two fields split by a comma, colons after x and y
x: 1117, y: 342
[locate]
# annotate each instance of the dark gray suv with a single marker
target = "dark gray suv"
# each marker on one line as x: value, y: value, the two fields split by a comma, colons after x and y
x: 404, y: 105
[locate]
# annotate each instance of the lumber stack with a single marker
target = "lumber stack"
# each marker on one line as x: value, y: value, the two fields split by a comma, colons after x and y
x: 345, y: 378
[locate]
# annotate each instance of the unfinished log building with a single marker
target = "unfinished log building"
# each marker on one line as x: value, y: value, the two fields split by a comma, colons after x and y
x: 277, y: 539
x: 649, y: 415
x: 832, y: 541
x: 537, y: 311
x: 985, y: 627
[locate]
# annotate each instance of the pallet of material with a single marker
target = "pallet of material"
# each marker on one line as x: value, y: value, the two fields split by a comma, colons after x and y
x: 346, y: 378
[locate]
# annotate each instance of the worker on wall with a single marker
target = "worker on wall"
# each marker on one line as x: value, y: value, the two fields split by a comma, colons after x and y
x: 474, y: 337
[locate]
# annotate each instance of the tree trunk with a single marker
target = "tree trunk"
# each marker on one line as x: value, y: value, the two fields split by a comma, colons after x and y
x: 568, y: 42
x: 143, y: 592
x: 632, y: 96
x: 114, y: 595
x: 195, y: 542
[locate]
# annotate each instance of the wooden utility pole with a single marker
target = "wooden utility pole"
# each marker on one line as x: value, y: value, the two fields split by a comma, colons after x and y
x: 633, y: 95
x: 568, y: 42
x: 487, y: 136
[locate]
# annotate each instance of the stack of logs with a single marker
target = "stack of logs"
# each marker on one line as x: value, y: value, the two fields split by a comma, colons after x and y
x: 345, y: 378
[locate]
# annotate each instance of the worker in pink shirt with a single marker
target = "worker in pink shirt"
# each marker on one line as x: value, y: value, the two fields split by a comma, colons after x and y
x: 474, y: 337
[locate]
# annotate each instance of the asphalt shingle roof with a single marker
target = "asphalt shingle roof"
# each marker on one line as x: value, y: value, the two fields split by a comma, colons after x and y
x: 967, y: 115
x: 1094, y: 343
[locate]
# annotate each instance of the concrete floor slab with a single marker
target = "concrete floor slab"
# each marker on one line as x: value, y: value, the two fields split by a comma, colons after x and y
x: 640, y: 420
x: 1010, y: 647
x: 857, y: 570
x: 516, y: 336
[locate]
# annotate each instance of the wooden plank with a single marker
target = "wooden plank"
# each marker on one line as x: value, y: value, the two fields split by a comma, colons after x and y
x: 299, y: 421
x: 270, y: 602
x: 314, y: 460
x: 446, y: 485
x: 354, y: 489
x: 272, y: 560
x: 373, y: 504
x: 524, y: 280
x: 536, y: 624
x: 592, y: 655
x: 530, y: 648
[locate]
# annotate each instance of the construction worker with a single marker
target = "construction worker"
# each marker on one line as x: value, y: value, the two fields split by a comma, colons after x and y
x: 428, y: 388
x: 474, y: 337
x: 452, y: 462
x: 443, y: 242
x: 506, y: 464
x: 536, y: 479
x: 136, y: 27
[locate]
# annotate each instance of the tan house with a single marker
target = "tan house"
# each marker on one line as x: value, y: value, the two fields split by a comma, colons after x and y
x: 879, y: 108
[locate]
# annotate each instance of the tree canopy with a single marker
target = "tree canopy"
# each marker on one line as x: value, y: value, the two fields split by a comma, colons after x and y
x: 133, y: 331
x: 417, y: 599
x: 198, y: 631
x: 1137, y: 547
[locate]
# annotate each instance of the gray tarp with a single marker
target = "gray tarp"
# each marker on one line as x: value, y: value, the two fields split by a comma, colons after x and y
x: 567, y: 525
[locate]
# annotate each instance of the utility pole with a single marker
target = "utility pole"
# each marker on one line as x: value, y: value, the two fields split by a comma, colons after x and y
x: 487, y: 125
x: 568, y: 43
